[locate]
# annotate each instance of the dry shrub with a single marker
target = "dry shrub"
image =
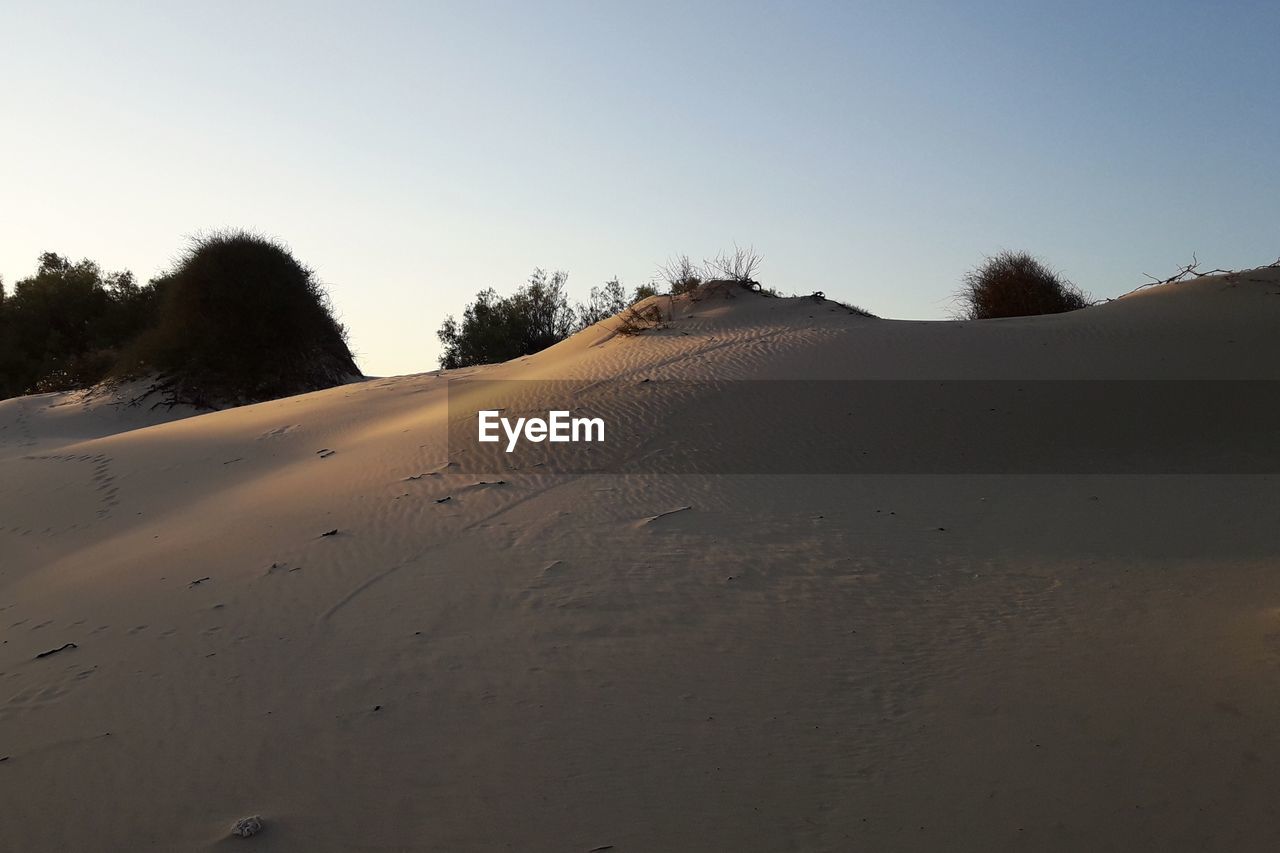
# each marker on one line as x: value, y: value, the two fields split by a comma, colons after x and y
x: 1015, y: 284
x: 636, y: 320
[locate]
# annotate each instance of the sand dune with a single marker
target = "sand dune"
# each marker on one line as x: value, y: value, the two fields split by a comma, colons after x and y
x: 656, y: 663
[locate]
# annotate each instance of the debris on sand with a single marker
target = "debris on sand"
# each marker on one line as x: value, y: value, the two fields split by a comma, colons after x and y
x: 62, y: 648
x: 247, y: 826
x: 198, y: 581
x: 333, y: 532
x: 443, y: 499
x: 325, y: 453
x: 654, y: 518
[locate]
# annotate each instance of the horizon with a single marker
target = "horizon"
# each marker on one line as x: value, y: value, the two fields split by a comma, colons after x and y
x: 415, y: 159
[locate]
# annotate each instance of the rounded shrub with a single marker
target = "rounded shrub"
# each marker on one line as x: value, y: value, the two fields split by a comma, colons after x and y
x: 1016, y: 284
x: 241, y: 320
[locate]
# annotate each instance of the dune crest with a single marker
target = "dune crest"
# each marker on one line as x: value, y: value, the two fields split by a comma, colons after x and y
x: 649, y: 662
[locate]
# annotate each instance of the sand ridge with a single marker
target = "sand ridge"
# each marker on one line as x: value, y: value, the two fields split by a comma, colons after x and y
x: 654, y: 663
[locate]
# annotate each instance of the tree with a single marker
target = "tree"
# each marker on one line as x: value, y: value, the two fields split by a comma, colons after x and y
x: 495, y: 328
x: 8, y: 352
x: 64, y: 325
x: 604, y: 302
x: 644, y: 291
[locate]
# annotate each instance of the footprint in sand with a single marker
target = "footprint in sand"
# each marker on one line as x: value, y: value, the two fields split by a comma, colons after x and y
x: 100, y: 477
x: 39, y: 696
x: 279, y: 431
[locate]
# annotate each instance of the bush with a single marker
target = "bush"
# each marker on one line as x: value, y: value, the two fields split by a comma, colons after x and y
x: 681, y: 274
x: 739, y: 266
x: 241, y: 320
x: 634, y: 321
x: 62, y: 327
x: 644, y: 291
x: 1015, y: 284
x: 495, y: 328
x: 604, y: 303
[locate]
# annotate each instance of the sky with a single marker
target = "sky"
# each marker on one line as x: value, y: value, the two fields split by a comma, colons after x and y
x: 413, y: 154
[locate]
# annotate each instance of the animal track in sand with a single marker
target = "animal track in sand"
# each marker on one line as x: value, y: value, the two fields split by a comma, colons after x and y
x: 279, y: 431
x: 101, y: 478
x: 39, y: 696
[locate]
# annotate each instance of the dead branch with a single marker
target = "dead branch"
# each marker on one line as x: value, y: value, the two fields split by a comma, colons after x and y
x: 1184, y: 273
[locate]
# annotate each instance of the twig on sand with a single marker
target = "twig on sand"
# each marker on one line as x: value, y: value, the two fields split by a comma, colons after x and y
x: 1191, y: 270
x: 333, y: 532
x: 197, y: 582
x: 62, y: 648
x: 654, y: 518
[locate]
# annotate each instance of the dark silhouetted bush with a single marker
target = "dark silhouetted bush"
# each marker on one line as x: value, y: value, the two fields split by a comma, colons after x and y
x: 1015, y: 284
x: 62, y: 327
x: 495, y: 328
x: 241, y: 320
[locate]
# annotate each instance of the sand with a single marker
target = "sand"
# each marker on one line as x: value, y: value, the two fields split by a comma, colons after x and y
x: 656, y: 663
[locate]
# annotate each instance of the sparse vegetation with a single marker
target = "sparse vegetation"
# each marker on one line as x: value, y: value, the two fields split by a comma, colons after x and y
x: 740, y: 265
x: 854, y: 309
x: 240, y: 319
x: 636, y: 320
x: 1015, y: 284
x: 681, y: 274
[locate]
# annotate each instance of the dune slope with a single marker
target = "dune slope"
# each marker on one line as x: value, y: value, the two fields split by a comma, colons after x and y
x: 563, y: 663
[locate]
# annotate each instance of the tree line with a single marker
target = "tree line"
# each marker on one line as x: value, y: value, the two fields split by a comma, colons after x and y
x: 237, y: 319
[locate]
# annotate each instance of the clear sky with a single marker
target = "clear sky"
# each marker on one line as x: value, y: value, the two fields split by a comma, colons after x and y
x: 415, y: 153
